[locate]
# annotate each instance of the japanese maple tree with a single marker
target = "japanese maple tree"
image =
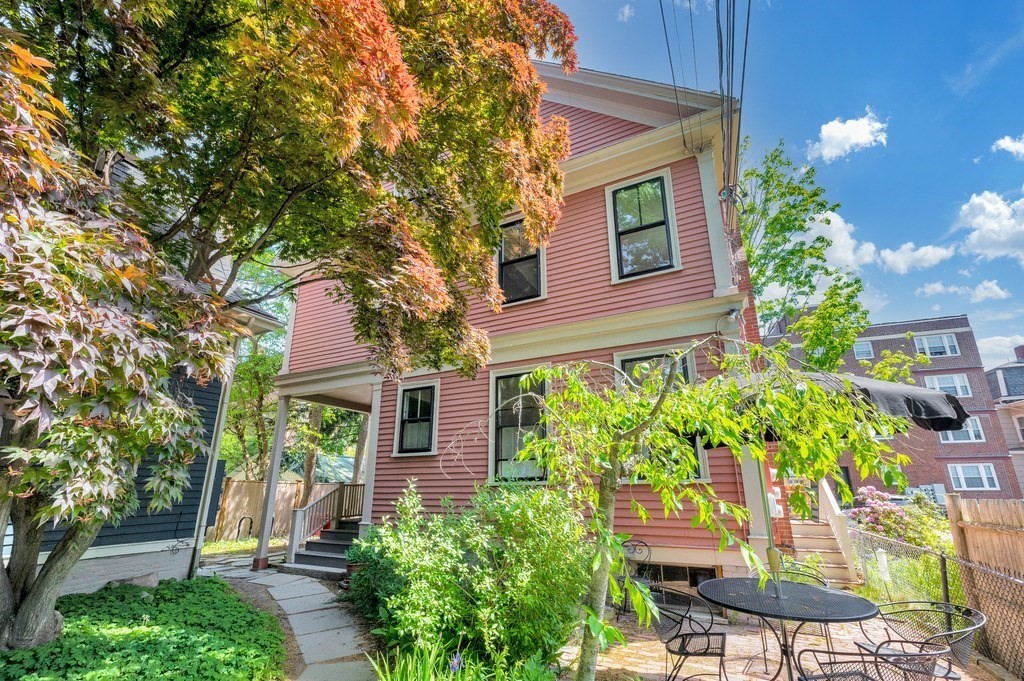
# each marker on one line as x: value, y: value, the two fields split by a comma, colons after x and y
x: 97, y: 338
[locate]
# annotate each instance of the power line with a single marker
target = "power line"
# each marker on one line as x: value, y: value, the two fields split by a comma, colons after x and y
x: 672, y: 68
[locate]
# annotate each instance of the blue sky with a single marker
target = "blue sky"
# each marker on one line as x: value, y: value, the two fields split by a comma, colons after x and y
x: 913, y: 114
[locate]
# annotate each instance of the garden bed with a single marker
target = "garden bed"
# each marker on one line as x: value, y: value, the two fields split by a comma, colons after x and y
x: 196, y: 629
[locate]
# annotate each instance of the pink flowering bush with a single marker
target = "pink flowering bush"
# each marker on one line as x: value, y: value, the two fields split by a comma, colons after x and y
x: 921, y: 522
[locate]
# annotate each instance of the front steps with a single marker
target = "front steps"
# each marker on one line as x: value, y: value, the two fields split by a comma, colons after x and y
x: 324, y: 557
x: 812, y: 537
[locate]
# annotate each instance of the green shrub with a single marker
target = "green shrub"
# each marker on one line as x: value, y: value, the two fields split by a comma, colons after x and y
x: 921, y: 522
x: 434, y: 662
x: 196, y: 629
x: 504, y: 575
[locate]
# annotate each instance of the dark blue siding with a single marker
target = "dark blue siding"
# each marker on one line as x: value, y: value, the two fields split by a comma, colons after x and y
x: 177, y: 522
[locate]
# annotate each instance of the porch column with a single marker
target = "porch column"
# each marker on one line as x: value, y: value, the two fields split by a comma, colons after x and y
x: 370, y: 460
x: 261, y: 561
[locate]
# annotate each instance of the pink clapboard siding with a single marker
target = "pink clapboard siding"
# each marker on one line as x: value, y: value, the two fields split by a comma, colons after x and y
x: 463, y: 446
x: 590, y: 130
x: 578, y: 270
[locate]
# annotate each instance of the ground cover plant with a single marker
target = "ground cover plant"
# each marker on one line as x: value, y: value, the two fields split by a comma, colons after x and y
x: 196, y: 629
x: 499, y: 581
x: 230, y: 547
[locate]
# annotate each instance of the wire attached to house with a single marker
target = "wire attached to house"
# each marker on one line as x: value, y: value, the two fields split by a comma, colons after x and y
x: 672, y: 68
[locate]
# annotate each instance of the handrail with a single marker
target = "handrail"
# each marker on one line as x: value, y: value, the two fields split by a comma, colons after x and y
x: 829, y: 511
x: 344, y: 501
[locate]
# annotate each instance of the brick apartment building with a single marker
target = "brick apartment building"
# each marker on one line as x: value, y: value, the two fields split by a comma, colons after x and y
x: 1006, y: 382
x: 974, y: 462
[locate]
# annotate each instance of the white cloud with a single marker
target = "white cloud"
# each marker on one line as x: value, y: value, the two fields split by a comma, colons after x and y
x: 936, y: 308
x: 839, y: 138
x: 996, y: 226
x: 986, y: 290
x: 846, y: 252
x: 911, y: 257
x: 988, y: 58
x: 1013, y: 145
x: 964, y: 272
x: 626, y: 12
x: 998, y: 349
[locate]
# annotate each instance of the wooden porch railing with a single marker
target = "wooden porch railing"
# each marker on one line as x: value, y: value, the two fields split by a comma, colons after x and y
x: 343, y: 502
x: 829, y: 512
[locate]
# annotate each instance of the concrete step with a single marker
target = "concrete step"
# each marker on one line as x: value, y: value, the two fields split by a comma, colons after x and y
x: 339, y: 535
x: 328, y: 546
x: 815, y: 542
x: 320, y: 559
x: 811, y: 527
x: 315, y: 571
x: 827, y: 556
x: 835, y: 573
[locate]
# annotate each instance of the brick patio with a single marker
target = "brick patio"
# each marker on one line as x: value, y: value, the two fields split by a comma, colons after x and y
x: 644, y: 657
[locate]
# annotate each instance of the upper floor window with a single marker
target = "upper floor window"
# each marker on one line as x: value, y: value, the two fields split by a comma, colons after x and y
x: 634, y: 364
x: 417, y: 419
x: 1020, y: 428
x: 863, y: 350
x: 942, y: 345
x: 519, y: 265
x: 968, y: 476
x: 971, y: 432
x: 641, y: 228
x: 517, y: 412
x: 956, y: 385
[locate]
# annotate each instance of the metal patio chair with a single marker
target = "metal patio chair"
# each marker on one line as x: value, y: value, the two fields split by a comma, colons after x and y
x: 917, y: 662
x: 638, y: 554
x: 952, y: 626
x: 685, y: 627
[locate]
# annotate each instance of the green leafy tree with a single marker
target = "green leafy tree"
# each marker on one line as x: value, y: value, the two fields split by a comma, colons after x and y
x: 830, y: 329
x: 374, y: 143
x: 97, y: 338
x: 251, y: 407
x: 895, y: 365
x: 643, y: 427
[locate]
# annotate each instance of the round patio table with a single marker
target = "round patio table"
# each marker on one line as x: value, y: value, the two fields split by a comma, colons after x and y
x: 786, y: 601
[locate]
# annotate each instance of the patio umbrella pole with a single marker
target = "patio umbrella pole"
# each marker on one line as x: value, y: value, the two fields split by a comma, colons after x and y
x: 774, y: 565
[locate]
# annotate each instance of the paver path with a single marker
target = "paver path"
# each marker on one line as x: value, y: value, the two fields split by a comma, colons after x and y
x: 324, y: 632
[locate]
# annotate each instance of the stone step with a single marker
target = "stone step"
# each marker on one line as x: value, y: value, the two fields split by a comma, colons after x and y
x: 315, y: 571
x: 339, y: 535
x: 320, y: 559
x: 328, y: 546
x: 812, y: 527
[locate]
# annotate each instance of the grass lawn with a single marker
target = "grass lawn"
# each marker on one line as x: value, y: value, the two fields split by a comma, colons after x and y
x: 240, y: 546
x: 195, y: 629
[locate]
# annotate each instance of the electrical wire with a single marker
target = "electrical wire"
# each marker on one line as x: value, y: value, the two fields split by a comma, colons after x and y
x: 672, y: 68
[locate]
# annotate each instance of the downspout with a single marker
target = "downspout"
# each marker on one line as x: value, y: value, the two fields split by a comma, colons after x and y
x: 211, y: 464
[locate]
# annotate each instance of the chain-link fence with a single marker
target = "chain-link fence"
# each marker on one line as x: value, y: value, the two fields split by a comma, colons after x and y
x: 896, y: 571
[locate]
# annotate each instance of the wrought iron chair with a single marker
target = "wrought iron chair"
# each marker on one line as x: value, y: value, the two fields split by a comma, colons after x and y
x: 685, y: 625
x: 952, y: 626
x: 802, y: 574
x: 917, y: 663
x: 638, y: 554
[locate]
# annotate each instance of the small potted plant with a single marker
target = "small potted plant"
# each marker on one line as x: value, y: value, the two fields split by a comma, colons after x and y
x: 358, y: 555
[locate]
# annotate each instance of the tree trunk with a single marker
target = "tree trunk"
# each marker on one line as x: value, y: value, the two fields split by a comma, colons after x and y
x: 316, y: 414
x: 597, y: 592
x: 37, y: 622
x: 28, y: 540
x: 6, y: 590
x: 357, y: 465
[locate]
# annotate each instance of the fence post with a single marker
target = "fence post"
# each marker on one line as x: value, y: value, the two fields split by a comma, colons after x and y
x: 298, y: 520
x: 944, y: 571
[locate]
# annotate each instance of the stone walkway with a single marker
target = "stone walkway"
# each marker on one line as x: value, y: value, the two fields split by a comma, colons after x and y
x: 325, y: 632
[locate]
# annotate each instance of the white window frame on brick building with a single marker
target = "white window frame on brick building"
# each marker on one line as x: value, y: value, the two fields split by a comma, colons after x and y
x: 956, y: 385
x: 863, y: 350
x: 986, y: 474
x: 1019, y: 422
x: 971, y: 432
x: 926, y: 345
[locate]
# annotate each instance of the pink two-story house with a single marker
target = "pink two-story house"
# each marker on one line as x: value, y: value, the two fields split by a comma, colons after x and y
x: 640, y: 264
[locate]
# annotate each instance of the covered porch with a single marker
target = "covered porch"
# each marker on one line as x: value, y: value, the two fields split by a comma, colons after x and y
x: 329, y: 523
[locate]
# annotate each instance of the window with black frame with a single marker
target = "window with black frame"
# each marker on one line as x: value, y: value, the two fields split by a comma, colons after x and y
x: 416, y: 422
x: 518, y: 264
x: 643, y: 239
x: 516, y: 413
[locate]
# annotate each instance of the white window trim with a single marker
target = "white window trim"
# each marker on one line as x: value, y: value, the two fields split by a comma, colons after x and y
x: 871, y: 349
x: 691, y: 368
x: 492, y: 393
x: 956, y: 477
x: 981, y: 429
x: 1018, y: 421
x: 945, y: 342
x: 670, y: 218
x: 933, y: 379
x: 542, y: 263
x: 412, y: 385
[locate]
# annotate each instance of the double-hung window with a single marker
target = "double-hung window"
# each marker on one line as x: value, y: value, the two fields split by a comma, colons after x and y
x: 517, y: 412
x: 417, y: 419
x: 971, y: 432
x: 863, y: 350
x: 956, y: 385
x: 973, y: 476
x: 1020, y: 427
x: 641, y: 228
x: 519, y: 265
x: 940, y: 345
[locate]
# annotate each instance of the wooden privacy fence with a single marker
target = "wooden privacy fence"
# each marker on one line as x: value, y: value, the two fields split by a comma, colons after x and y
x: 241, y: 505
x: 989, y: 532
